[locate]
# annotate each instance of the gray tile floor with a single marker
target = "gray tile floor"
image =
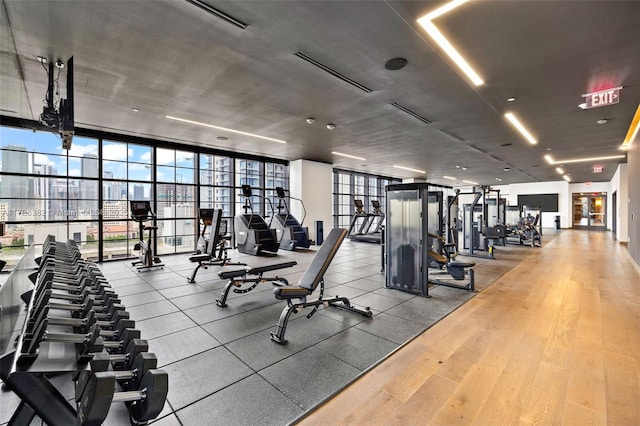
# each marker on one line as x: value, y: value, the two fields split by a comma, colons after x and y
x: 224, y: 369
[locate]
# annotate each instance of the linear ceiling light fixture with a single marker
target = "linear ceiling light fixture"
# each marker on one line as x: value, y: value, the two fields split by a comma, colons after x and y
x: 551, y: 161
x: 470, y: 182
x: 409, y: 169
x: 634, y: 127
x: 449, y: 177
x: 333, y: 72
x: 516, y: 123
x: 436, y: 35
x: 559, y: 170
x: 215, y: 12
x: 253, y: 135
x: 567, y: 178
x: 348, y: 156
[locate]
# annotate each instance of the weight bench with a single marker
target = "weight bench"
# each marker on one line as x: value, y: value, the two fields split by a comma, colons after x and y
x: 312, y: 277
x: 458, y: 270
x: 217, y: 240
x: 238, y: 277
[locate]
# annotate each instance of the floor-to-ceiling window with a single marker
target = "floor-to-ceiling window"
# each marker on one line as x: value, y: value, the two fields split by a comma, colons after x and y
x: 83, y: 193
x: 349, y: 186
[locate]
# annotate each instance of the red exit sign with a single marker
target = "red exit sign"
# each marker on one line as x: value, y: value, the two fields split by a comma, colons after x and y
x: 598, y: 168
x: 602, y: 98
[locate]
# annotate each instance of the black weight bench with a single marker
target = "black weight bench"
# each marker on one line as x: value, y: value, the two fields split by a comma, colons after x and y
x: 458, y: 270
x: 252, y: 276
x: 311, y: 279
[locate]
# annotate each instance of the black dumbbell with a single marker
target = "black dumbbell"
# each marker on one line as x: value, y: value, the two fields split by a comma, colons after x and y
x: 109, y: 329
x: 104, y: 310
x: 129, y: 378
x: 147, y: 402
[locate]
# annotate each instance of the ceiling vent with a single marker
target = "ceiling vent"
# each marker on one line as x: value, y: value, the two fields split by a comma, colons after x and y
x: 478, y: 149
x: 453, y: 135
x: 333, y: 72
x: 411, y: 113
x: 215, y: 12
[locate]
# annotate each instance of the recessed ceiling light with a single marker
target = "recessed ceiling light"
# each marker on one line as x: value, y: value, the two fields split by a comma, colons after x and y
x: 506, y: 169
x: 331, y: 126
x: 222, y: 138
x: 464, y: 168
x: 511, y: 99
x: 602, y: 121
x: 253, y: 135
x: 348, y: 156
x: 436, y: 35
x: 499, y: 180
x: 310, y: 120
x: 409, y: 169
x: 516, y: 123
x: 548, y: 149
x: 135, y: 109
x: 395, y: 64
x: 449, y: 177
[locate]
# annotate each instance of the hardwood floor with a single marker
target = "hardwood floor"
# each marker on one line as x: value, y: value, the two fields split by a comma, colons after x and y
x: 555, y: 341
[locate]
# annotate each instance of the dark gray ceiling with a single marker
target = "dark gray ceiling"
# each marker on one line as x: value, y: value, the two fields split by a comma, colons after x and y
x: 173, y: 58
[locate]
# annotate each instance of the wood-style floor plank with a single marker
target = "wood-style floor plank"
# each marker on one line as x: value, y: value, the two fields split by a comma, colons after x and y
x: 555, y: 340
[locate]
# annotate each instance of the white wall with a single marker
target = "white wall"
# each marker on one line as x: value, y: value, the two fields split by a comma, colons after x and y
x: 620, y: 184
x: 313, y: 183
x: 511, y: 192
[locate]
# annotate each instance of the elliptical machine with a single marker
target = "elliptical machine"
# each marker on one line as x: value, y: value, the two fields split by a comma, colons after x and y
x: 289, y: 232
x: 141, y: 212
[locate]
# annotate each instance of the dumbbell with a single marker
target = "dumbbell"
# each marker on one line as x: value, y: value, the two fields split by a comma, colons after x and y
x: 104, y: 309
x: 147, y: 402
x: 109, y: 329
x: 128, y: 378
x: 101, y: 291
x: 88, y: 343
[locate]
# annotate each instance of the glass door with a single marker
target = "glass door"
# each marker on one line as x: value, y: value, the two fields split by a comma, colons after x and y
x: 590, y: 211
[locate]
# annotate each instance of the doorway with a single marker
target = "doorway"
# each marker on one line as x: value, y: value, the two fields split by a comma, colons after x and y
x: 590, y: 211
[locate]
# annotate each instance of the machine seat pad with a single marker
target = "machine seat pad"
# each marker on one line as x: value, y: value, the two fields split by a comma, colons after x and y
x: 290, y: 292
x: 200, y: 257
x: 225, y: 275
x: 459, y: 264
x: 437, y: 257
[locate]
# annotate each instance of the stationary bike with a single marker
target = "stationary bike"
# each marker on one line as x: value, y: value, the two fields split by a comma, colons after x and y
x: 141, y: 212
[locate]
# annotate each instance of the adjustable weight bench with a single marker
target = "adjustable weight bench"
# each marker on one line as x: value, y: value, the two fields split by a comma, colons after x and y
x: 238, y: 277
x: 312, y: 277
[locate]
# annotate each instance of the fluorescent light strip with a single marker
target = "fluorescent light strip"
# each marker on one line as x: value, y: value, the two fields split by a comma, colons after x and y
x: 253, y: 135
x: 436, y: 35
x: 559, y: 170
x: 449, y: 177
x: 470, y: 182
x: 581, y: 160
x: 567, y: 178
x: 409, y: 169
x: 634, y: 127
x: 516, y: 123
x: 348, y: 156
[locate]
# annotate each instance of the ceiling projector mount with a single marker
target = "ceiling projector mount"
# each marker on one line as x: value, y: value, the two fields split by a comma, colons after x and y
x: 57, y: 113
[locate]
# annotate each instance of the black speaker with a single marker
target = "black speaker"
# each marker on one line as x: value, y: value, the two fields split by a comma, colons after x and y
x: 319, y: 232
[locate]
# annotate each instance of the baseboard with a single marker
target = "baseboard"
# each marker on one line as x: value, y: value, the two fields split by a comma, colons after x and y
x: 633, y: 262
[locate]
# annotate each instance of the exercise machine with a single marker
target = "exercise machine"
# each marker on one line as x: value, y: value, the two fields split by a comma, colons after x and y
x: 214, y: 248
x: 412, y: 246
x: 289, y: 232
x: 141, y: 212
x: 297, y: 296
x: 364, y: 232
x: 253, y: 235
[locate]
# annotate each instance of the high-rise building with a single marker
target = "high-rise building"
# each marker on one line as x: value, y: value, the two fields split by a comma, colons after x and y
x: 15, y: 189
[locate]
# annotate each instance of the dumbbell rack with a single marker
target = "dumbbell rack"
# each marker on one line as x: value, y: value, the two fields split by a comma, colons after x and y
x: 25, y: 370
